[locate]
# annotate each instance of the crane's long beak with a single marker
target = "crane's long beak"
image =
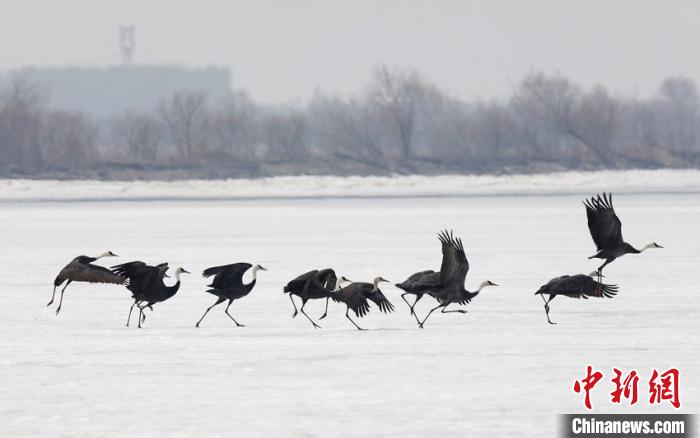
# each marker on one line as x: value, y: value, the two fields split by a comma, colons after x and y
x: 185, y: 271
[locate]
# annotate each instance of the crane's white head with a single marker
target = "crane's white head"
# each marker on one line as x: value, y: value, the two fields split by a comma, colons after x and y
x: 341, y: 282
x: 257, y: 268
x: 650, y: 245
x: 179, y: 271
x: 378, y: 280
x: 106, y: 254
x: 486, y: 283
x: 595, y: 274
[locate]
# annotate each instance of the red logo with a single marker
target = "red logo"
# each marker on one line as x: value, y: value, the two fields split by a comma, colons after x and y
x: 662, y: 386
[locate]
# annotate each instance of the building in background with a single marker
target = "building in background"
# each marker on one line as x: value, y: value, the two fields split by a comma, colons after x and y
x: 104, y: 92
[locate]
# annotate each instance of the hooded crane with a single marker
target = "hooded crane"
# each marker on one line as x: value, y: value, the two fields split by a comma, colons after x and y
x: 453, y: 272
x: 418, y: 284
x: 146, y: 284
x: 143, y: 277
x: 355, y: 297
x: 228, y: 285
x: 81, y: 269
x: 575, y: 286
x: 312, y: 285
x: 606, y: 231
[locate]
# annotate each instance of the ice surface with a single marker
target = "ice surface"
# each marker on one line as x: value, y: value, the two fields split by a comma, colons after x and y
x: 499, y: 370
x: 630, y: 181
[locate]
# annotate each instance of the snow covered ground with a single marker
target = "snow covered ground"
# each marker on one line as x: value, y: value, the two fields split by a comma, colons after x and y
x: 499, y: 370
x: 629, y: 181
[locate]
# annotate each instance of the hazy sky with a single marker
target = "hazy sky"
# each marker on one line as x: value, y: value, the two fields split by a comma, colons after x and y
x: 283, y: 50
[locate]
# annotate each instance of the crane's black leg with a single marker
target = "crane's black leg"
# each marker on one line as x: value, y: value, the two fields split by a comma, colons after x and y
x: 128, y: 319
x: 546, y: 307
x: 229, y: 315
x: 600, y: 270
x: 219, y: 301
x: 60, y: 302
x: 325, y: 312
x: 142, y: 314
x: 53, y: 295
x: 142, y: 317
x: 452, y: 311
x: 420, y: 324
x: 295, y: 306
x: 307, y: 316
x: 418, y: 297
x: 403, y: 297
x: 353, y: 322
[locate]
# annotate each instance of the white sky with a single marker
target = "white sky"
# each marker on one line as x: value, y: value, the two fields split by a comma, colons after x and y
x: 284, y: 50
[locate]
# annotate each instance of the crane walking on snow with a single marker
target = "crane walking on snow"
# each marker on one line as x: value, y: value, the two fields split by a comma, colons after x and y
x: 316, y: 284
x: 356, y: 296
x: 228, y: 285
x: 146, y: 284
x: 446, y: 286
x: 81, y: 269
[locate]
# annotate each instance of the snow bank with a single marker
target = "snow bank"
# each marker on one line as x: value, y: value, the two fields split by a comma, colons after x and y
x: 628, y: 181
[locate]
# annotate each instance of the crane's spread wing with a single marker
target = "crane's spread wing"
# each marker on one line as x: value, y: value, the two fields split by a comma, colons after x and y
x: 141, y: 277
x: 603, y: 223
x: 227, y: 276
x: 298, y: 284
x: 454, y: 262
x: 381, y: 301
x: 90, y: 273
x: 326, y: 279
x: 583, y: 286
x: 354, y: 296
x: 420, y: 281
x: 550, y: 285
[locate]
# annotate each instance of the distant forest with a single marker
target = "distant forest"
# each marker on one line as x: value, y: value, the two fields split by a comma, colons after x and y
x: 400, y: 123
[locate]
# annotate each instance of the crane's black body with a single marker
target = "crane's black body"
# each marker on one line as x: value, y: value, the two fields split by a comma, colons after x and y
x: 146, y: 285
x: 575, y: 286
x: 312, y: 285
x: 448, y: 287
x: 356, y: 297
x: 606, y: 231
x: 418, y: 285
x: 82, y: 269
x: 227, y: 285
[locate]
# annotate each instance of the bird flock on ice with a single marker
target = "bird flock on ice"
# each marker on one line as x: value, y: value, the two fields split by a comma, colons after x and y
x: 446, y: 286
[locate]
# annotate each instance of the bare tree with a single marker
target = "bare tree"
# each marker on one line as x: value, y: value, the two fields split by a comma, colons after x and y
x: 350, y: 132
x: 559, y: 103
x: 69, y: 138
x: 21, y: 115
x: 285, y: 134
x: 186, y: 120
x: 139, y: 134
x: 679, y: 112
x: 398, y: 94
x: 235, y: 128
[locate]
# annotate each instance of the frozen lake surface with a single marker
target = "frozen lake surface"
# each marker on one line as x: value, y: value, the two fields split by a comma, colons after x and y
x: 499, y: 370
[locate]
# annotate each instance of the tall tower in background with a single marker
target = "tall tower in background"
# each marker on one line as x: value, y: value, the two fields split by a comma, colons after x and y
x: 127, y: 42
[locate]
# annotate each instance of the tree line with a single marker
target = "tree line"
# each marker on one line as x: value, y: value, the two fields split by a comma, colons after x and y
x: 399, y: 123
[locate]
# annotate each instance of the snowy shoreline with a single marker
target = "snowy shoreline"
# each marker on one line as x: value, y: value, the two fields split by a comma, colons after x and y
x: 291, y: 187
